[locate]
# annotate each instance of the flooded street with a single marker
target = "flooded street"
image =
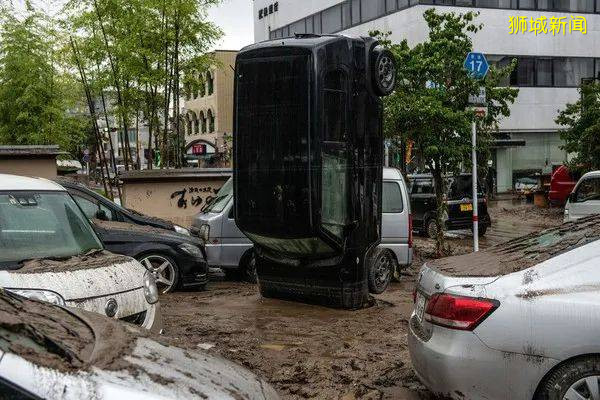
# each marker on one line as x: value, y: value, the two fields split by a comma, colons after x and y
x: 310, y: 351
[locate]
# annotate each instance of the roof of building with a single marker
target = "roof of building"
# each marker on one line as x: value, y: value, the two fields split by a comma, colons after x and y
x: 35, y: 150
x: 16, y: 182
x: 183, y: 173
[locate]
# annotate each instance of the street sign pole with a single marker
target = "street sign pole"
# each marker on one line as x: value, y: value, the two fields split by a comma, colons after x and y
x: 475, y: 203
x: 478, y: 67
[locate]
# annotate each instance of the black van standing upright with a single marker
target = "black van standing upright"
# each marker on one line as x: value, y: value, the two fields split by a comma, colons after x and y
x: 308, y: 154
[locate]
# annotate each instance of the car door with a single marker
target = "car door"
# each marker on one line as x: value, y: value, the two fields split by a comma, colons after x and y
x: 586, y: 199
x: 395, y: 220
x: 234, y: 242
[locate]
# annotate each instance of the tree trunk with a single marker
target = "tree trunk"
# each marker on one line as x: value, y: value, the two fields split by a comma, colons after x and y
x: 439, y: 182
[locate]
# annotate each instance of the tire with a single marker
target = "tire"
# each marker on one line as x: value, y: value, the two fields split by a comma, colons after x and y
x: 383, y: 70
x: 576, y: 376
x: 247, y: 270
x: 431, y: 228
x: 165, y: 271
x: 381, y: 269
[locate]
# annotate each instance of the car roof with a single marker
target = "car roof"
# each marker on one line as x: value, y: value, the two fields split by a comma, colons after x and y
x: 391, y: 173
x: 16, y: 182
x: 591, y: 174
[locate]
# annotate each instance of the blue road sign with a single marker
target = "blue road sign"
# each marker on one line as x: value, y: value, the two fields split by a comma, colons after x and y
x: 477, y: 65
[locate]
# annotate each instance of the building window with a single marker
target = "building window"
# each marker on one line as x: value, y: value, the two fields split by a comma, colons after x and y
x: 371, y: 9
x: 196, y: 125
x: 317, y: 23
x: 390, y: 6
x: 189, y: 125
x: 332, y: 19
x: 298, y: 27
x: 209, y: 83
x: 309, y: 25
x: 211, y: 122
x: 548, y: 71
x: 355, y: 12
x: 202, y: 120
x: 346, y: 16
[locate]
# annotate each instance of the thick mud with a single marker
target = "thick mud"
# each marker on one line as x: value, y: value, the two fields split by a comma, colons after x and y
x: 312, y: 352
x: 93, y: 259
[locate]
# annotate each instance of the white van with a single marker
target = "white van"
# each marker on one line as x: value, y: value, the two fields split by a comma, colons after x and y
x: 49, y: 252
x: 584, y: 200
x: 229, y: 249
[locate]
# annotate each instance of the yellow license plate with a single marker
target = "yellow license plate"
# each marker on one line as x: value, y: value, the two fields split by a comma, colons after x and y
x: 466, y: 207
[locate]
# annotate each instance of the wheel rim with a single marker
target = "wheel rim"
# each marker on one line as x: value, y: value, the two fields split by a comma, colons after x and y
x: 163, y: 270
x: 584, y: 389
x: 386, y: 73
x: 432, y: 229
x: 383, y: 268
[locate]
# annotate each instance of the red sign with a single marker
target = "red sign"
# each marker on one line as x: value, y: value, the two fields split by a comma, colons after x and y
x: 199, y: 149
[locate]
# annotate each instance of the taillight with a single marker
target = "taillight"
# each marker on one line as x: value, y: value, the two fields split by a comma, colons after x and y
x: 410, y: 229
x: 458, y: 312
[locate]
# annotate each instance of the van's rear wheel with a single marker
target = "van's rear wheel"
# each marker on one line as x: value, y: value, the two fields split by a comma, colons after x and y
x: 384, y: 71
x: 248, y: 267
x: 381, y: 268
x: 577, y: 379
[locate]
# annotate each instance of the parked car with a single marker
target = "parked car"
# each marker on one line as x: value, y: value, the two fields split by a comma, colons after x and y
x: 94, y: 205
x: 562, y: 183
x: 49, y: 251
x: 176, y: 260
x: 459, y: 202
x: 50, y: 352
x: 228, y: 248
x: 585, y: 198
x: 517, y: 321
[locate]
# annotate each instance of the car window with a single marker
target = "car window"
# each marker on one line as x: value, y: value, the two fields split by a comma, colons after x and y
x: 422, y: 187
x: 392, y: 198
x: 42, y: 225
x: 90, y: 206
x: 589, y: 189
x: 10, y: 391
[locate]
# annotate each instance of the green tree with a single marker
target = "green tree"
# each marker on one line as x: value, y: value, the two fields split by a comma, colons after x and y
x: 36, y: 97
x: 582, y: 128
x: 429, y: 107
x: 141, y: 54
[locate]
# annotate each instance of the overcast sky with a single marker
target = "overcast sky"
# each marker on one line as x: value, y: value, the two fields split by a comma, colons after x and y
x: 234, y: 17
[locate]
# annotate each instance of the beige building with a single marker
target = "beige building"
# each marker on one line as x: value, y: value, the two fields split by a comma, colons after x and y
x: 209, y: 111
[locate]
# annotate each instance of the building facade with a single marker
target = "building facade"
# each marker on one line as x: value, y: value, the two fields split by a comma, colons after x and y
x: 556, y: 44
x: 208, y: 112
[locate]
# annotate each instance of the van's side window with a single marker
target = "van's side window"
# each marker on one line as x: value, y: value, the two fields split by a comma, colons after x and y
x: 589, y: 189
x: 392, y: 198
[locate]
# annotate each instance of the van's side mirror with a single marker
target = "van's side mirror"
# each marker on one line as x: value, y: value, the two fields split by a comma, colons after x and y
x: 101, y: 215
x: 572, y: 197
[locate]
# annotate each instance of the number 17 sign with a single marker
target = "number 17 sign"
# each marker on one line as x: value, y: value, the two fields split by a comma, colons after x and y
x: 477, y: 65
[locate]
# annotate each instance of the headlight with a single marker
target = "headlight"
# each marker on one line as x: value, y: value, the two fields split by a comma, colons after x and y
x: 191, y: 250
x: 150, y: 289
x: 204, y: 232
x: 182, y: 230
x: 41, y: 295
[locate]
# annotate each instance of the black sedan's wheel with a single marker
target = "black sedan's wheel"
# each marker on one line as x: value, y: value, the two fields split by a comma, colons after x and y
x: 164, y: 269
x: 575, y: 380
x: 432, y: 228
x: 384, y: 71
x: 380, y: 271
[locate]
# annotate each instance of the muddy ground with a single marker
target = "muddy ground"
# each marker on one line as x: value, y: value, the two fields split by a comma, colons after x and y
x: 313, y: 352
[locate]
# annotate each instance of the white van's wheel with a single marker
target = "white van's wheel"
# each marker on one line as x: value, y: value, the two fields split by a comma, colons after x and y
x: 381, y: 269
x: 248, y: 267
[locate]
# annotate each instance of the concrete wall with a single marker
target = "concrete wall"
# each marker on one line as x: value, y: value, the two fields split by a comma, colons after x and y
x: 39, y: 167
x: 171, y: 197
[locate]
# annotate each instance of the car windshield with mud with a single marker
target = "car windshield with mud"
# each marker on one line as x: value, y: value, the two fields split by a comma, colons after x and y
x: 49, y: 251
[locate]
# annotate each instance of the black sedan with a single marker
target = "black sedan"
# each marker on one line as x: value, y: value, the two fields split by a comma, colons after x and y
x: 94, y: 205
x: 177, y: 260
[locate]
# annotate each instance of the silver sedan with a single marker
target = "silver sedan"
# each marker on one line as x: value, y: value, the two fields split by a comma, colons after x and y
x: 517, y: 321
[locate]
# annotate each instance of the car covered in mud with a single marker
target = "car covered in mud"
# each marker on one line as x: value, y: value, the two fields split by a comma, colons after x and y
x: 50, y: 252
x: 53, y: 352
x: 517, y: 321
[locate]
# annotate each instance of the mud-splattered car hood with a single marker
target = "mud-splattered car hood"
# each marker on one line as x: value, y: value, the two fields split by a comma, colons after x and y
x: 71, y: 354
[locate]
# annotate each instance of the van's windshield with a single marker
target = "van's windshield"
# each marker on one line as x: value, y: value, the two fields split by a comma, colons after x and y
x: 42, y: 225
x: 223, y: 196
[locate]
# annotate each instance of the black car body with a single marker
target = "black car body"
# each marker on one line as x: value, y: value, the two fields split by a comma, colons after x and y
x: 151, y: 241
x: 149, y: 245
x: 458, y: 200
x: 97, y: 206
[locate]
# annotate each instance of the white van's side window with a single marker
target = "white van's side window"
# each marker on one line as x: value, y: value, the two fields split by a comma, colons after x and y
x: 392, y: 198
x: 589, y: 189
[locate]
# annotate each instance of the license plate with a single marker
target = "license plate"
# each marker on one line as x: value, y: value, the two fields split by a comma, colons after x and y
x: 420, y: 306
x: 466, y: 207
